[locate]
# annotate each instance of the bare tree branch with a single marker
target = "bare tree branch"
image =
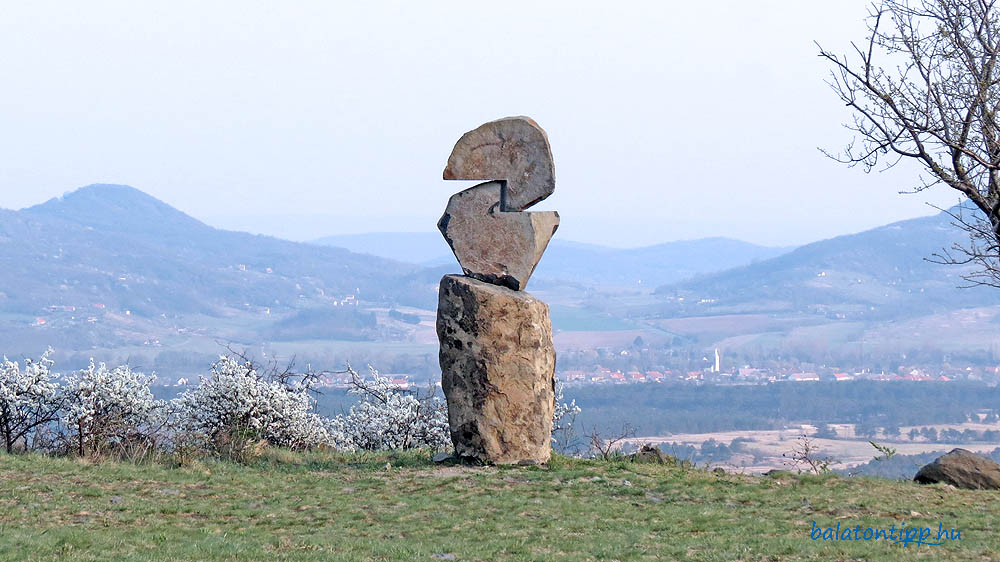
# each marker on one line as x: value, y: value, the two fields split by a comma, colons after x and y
x: 926, y: 88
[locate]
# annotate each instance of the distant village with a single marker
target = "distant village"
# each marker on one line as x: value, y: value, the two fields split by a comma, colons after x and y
x: 714, y: 372
x: 749, y: 375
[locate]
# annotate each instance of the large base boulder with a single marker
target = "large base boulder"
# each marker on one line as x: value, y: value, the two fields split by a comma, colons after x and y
x: 962, y: 469
x: 497, y: 371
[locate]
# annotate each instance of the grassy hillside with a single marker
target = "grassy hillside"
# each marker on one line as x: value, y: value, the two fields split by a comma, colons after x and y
x: 326, y: 506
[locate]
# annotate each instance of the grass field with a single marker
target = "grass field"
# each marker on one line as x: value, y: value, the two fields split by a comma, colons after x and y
x: 575, y: 319
x: 328, y: 506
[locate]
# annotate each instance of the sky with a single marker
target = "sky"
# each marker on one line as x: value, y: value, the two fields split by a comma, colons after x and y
x: 667, y: 120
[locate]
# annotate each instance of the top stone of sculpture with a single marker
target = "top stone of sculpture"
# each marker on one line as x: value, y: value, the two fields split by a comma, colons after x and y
x: 513, y: 149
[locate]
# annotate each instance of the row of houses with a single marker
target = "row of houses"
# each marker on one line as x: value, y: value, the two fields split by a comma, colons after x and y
x: 912, y: 376
x: 607, y: 376
x: 747, y: 375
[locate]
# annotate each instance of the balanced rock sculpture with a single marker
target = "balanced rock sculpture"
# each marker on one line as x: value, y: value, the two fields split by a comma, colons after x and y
x: 497, y: 358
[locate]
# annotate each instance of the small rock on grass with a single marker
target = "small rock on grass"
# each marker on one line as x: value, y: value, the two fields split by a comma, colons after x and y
x: 651, y: 454
x: 963, y: 469
x: 443, y: 457
x: 443, y: 556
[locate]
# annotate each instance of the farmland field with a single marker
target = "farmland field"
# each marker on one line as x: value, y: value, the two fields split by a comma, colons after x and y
x: 846, y: 451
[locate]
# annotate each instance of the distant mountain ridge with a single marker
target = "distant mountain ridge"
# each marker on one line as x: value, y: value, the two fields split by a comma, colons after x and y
x: 112, y: 249
x: 577, y: 261
x: 117, y: 208
x: 883, y: 270
x: 109, y: 265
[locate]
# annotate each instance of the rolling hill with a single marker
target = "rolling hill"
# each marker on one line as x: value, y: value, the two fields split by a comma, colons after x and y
x: 864, y: 298
x: 883, y: 272
x: 106, y: 257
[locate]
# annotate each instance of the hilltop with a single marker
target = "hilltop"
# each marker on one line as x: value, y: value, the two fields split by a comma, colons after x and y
x: 400, y: 506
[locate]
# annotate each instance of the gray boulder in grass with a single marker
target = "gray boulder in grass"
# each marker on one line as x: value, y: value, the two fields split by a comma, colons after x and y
x: 962, y: 469
x: 651, y: 454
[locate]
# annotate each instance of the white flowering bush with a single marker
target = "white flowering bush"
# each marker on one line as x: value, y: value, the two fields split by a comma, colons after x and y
x: 29, y: 398
x: 112, y: 411
x: 387, y: 417
x: 563, y: 418
x: 238, y: 411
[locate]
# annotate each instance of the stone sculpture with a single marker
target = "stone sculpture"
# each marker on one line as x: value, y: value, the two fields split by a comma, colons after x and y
x: 497, y: 358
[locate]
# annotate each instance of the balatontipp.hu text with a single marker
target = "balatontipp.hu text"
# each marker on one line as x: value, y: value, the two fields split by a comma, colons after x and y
x: 902, y: 534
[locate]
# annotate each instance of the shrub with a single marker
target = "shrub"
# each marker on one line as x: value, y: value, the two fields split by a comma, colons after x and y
x: 388, y: 417
x: 238, y: 411
x: 235, y: 412
x: 29, y: 398
x: 564, y: 439
x: 112, y: 411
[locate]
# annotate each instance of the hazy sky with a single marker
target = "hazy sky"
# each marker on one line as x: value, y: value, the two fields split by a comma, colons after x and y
x: 667, y: 120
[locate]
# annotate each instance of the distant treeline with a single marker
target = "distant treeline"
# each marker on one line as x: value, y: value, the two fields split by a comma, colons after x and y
x: 927, y: 434
x: 656, y: 409
x: 710, y: 451
x: 404, y: 317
